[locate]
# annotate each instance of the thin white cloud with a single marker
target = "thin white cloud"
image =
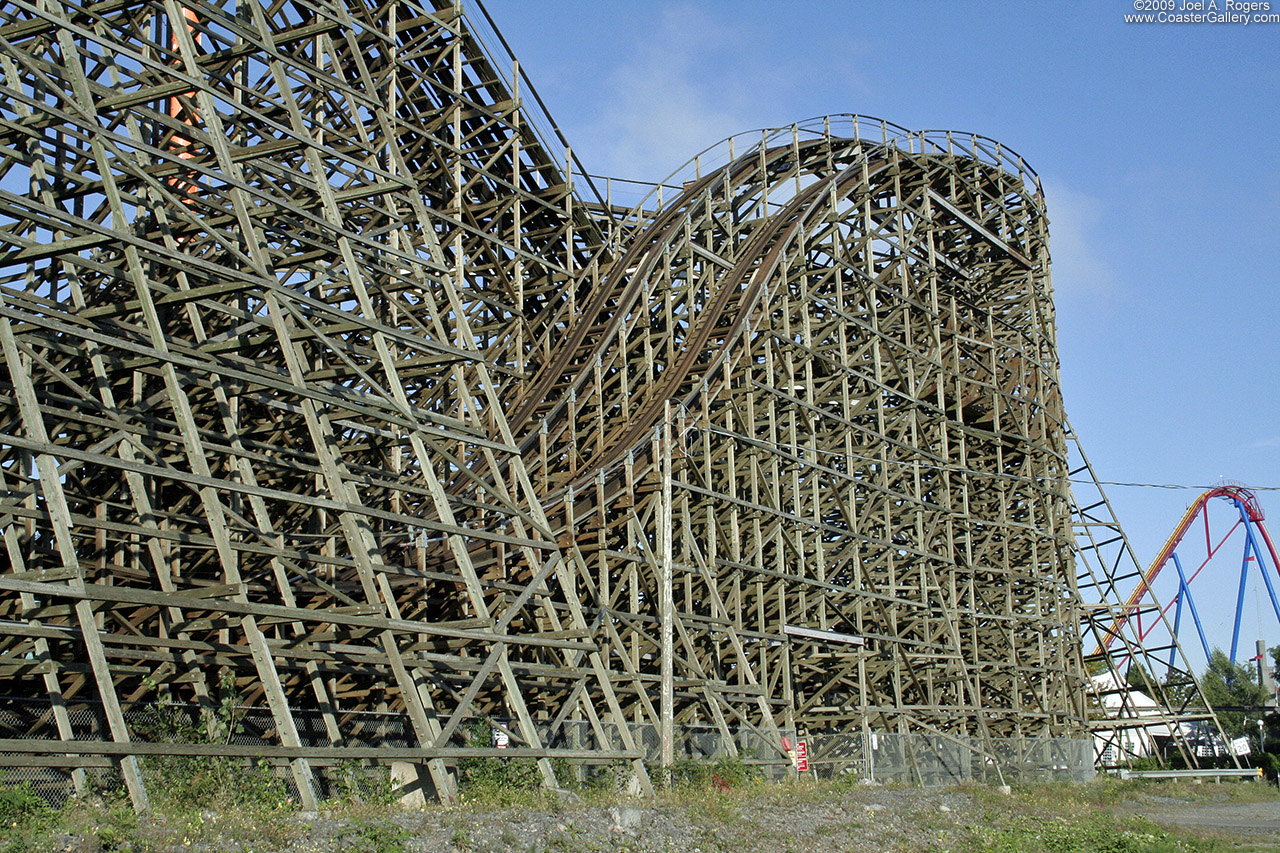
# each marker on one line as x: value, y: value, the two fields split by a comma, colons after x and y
x: 1080, y: 270
x: 688, y: 74
x: 665, y: 102
x: 1274, y: 441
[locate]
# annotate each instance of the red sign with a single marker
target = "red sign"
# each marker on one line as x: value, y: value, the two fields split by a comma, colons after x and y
x: 802, y: 756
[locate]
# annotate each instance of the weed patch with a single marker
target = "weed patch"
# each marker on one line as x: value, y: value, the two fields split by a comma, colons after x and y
x: 1091, y: 834
x: 374, y: 835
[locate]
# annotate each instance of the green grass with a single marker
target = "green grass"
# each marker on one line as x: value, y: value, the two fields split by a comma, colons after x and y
x: 258, y: 814
x: 1091, y: 833
x: 1049, y: 818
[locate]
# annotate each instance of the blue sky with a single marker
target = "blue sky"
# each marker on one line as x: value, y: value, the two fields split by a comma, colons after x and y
x: 1157, y: 145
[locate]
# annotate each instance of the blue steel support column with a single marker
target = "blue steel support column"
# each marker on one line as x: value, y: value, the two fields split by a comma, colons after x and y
x: 1191, y: 603
x: 1262, y: 567
x: 1244, y: 575
x: 1177, y: 622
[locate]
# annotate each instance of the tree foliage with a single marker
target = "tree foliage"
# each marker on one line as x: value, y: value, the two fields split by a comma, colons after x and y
x: 1226, y: 684
x: 1173, y: 691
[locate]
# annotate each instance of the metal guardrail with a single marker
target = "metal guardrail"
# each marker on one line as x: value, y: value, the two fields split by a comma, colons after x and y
x: 1248, y: 772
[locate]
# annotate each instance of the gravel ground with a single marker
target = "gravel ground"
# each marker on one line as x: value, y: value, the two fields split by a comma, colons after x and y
x: 1250, y: 820
x: 871, y: 818
x: 867, y: 819
x: 773, y: 819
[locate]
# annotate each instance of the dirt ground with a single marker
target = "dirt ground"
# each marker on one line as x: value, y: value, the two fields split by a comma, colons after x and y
x: 793, y: 817
x: 1249, y: 821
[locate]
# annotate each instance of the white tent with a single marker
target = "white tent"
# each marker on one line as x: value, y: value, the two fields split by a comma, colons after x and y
x: 1140, y: 721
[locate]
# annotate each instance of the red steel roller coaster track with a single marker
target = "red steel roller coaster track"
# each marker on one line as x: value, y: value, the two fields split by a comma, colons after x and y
x: 1251, y: 509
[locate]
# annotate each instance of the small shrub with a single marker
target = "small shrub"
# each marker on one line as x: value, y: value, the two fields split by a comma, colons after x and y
x: 184, y: 783
x: 24, y: 818
x: 1269, y: 763
x: 352, y: 782
x: 116, y: 827
x: 496, y: 780
x: 724, y: 773
x: 376, y: 836
x: 20, y: 805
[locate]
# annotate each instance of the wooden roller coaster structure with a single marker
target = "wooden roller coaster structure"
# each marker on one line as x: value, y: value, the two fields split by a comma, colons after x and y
x: 331, y: 380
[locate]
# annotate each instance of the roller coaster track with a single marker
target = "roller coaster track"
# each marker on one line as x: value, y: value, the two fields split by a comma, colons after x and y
x: 329, y: 383
x: 1251, y: 514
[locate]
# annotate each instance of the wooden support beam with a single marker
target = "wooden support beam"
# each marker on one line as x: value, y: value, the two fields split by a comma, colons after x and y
x: 332, y: 384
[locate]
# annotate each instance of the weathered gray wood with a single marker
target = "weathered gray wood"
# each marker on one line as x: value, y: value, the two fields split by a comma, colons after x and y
x: 385, y: 754
x: 343, y: 392
x: 666, y: 602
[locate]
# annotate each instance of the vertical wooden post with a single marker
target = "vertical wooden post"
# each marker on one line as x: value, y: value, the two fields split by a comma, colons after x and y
x: 666, y: 604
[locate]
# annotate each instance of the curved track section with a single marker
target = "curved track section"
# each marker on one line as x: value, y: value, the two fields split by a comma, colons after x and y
x: 1142, y: 604
x: 857, y: 331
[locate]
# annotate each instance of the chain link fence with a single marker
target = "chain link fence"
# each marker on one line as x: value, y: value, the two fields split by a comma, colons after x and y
x: 922, y: 759
x: 930, y: 759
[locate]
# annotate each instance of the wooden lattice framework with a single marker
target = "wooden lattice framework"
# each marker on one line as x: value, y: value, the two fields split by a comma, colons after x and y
x: 320, y: 376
